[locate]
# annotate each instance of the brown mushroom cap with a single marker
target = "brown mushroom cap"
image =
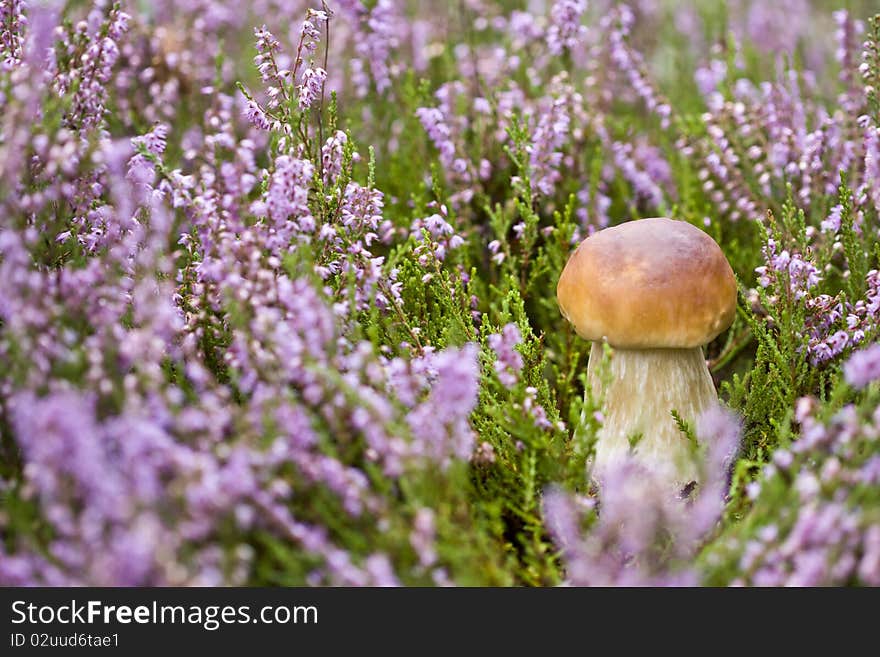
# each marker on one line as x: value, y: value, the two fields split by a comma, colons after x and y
x: 651, y: 283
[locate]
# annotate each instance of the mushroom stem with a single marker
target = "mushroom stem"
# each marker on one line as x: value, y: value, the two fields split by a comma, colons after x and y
x: 645, y: 385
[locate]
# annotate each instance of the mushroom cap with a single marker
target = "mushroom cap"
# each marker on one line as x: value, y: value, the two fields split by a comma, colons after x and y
x: 650, y: 283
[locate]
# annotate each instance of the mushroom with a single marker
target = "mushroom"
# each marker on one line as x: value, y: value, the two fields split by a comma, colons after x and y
x: 656, y: 290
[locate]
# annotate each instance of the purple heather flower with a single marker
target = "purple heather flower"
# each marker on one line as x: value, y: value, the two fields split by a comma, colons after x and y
x: 638, y: 513
x: 565, y: 25
x: 562, y: 519
x: 442, y: 237
x: 311, y: 86
x: 257, y: 116
x: 509, y: 362
x: 440, y: 424
x: 869, y: 566
x: 423, y: 537
x: 776, y: 27
x: 863, y: 367
x: 287, y: 196
x: 13, y: 22
x: 524, y: 29
x: 831, y: 224
x: 332, y: 155
x: 545, y: 155
x: 708, y: 78
x: 434, y: 123
x: 377, y: 33
x: 801, y: 274
x: 630, y: 63
x: 381, y: 571
x: 310, y: 34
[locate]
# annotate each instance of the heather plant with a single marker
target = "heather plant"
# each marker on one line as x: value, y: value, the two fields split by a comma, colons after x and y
x: 278, y: 301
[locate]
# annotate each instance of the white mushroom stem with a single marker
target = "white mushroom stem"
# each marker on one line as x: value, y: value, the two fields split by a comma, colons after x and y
x: 645, y: 385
